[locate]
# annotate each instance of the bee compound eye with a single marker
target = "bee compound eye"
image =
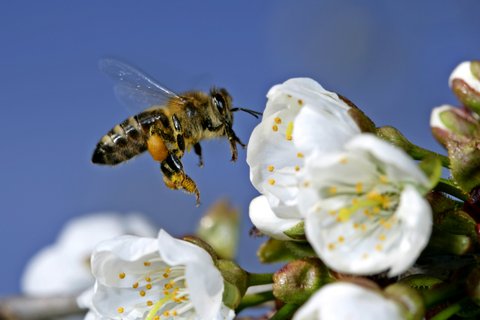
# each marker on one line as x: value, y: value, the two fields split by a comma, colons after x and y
x: 219, y: 102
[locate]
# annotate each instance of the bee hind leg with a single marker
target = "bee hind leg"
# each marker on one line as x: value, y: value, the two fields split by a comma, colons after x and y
x: 175, y: 178
x: 198, y: 151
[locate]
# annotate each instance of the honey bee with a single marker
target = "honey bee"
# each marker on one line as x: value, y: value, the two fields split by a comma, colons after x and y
x: 170, y: 124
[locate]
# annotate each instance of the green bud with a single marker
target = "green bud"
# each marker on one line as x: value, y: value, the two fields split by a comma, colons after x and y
x: 445, y: 242
x: 465, y: 83
x: 457, y: 222
x: 408, y: 298
x: 465, y: 164
x: 299, y: 279
x: 274, y: 250
x: 235, y: 280
x: 220, y: 228
x: 453, y: 124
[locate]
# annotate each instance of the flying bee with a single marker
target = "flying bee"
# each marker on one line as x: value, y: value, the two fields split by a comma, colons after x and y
x: 170, y: 124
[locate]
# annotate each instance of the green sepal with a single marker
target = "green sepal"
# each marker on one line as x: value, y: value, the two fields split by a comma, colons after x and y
x: 297, y: 232
x: 432, y: 167
x: 235, y: 280
x: 273, y: 250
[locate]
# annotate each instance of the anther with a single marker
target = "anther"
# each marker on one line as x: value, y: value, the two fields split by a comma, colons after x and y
x: 148, y: 279
x: 121, y: 275
x: 331, y: 246
x: 379, y: 247
x: 147, y: 263
x: 382, y: 237
x: 148, y: 286
x: 142, y: 293
x: 135, y: 285
x: 275, y: 128
x: 341, y: 239
x: 300, y: 155
x: 270, y: 168
x: 149, y: 303
x: 297, y: 168
x: 344, y: 160
x: 271, y: 181
x: 277, y: 120
x: 359, y: 187
x: 120, y: 310
x: 300, y: 102
x: 332, y: 190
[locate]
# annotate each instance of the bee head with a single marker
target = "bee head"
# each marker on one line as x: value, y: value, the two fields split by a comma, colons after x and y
x: 222, y: 102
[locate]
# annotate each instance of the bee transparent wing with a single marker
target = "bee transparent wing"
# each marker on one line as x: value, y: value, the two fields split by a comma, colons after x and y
x: 136, y: 90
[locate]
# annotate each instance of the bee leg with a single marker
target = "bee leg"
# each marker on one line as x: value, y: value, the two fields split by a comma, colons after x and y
x: 175, y: 178
x: 198, y: 151
x: 233, y: 139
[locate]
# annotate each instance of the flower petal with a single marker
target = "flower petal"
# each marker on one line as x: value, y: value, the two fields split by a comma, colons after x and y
x: 343, y: 300
x: 204, y: 281
x: 267, y: 222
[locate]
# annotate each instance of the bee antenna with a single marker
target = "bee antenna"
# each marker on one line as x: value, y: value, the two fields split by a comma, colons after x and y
x: 254, y: 113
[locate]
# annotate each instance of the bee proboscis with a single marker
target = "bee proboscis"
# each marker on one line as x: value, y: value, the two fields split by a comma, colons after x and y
x: 170, y: 124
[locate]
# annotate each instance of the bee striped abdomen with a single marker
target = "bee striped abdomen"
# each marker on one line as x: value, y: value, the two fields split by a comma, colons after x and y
x: 123, y: 142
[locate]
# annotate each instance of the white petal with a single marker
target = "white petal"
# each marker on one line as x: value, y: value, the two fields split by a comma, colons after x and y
x: 324, y: 126
x: 416, y: 216
x: 49, y: 272
x: 114, y: 257
x: 345, y: 301
x: 267, y: 222
x: 399, y: 166
x: 463, y: 71
x: 204, y: 281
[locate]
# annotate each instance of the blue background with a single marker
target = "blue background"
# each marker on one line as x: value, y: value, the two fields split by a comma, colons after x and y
x: 391, y: 58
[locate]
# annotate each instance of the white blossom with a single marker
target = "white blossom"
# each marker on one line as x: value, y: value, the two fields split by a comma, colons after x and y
x: 64, y: 267
x: 345, y: 301
x: 278, y: 145
x: 364, y: 207
x: 163, y: 278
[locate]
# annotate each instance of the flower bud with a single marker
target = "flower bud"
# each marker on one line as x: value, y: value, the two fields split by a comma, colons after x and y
x: 465, y: 164
x: 449, y: 123
x: 409, y: 298
x: 446, y: 242
x: 220, y: 228
x: 299, y: 279
x: 465, y: 83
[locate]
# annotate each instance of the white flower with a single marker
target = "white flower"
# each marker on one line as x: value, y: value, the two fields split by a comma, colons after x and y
x: 64, y: 267
x: 161, y: 278
x: 267, y: 222
x: 300, y: 117
x: 364, y: 208
x: 343, y: 300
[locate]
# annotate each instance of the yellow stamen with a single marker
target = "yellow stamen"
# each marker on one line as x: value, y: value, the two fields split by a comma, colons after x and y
x: 297, y: 168
x: 275, y: 128
x: 148, y: 279
x: 359, y: 187
x: 148, y: 286
x: 382, y: 237
x: 135, y: 285
x: 341, y: 239
x: 332, y: 190
x: 289, y: 132
x: 270, y: 168
x: 344, y: 160
x: 147, y: 263
x: 300, y: 155
x: 379, y: 247
x: 271, y: 181
x: 121, y: 275
x: 120, y: 310
x: 277, y: 120
x: 142, y: 293
x: 331, y: 246
x: 383, y: 179
x: 300, y: 102
x: 149, y: 303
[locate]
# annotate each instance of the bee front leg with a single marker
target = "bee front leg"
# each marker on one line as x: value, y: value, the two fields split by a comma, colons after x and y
x: 175, y: 178
x: 233, y: 139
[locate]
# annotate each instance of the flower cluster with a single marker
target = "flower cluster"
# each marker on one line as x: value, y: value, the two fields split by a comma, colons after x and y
x: 360, y: 198
x: 361, y: 218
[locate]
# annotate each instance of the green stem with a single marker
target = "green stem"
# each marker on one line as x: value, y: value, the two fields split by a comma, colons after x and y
x: 446, y: 186
x: 255, y: 279
x: 285, y: 312
x: 449, y: 311
x: 419, y: 153
x: 252, y: 300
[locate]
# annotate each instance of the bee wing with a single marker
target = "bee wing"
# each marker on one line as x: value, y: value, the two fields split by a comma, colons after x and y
x: 135, y: 89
